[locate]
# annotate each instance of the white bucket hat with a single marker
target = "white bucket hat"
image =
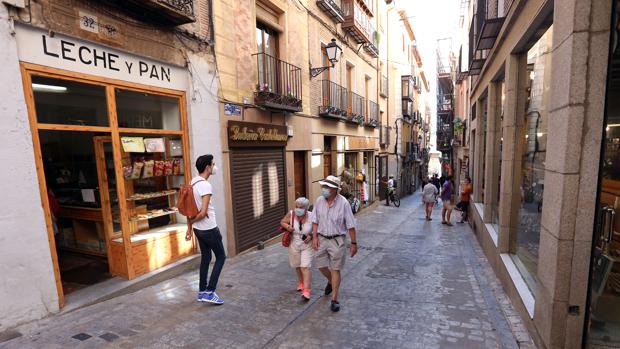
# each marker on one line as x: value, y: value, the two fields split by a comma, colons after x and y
x: 331, y: 181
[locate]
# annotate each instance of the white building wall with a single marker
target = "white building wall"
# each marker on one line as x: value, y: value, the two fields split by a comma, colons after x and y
x: 204, y: 128
x: 28, y: 288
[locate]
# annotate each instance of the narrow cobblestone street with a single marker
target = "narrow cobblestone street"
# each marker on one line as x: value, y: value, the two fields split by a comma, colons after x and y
x: 413, y: 284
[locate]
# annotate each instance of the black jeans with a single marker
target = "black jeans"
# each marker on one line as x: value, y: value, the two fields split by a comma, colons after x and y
x: 210, y: 240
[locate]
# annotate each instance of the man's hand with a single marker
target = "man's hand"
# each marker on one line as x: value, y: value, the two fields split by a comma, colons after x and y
x: 188, y: 233
x: 353, y: 249
x: 315, y: 243
x: 188, y: 237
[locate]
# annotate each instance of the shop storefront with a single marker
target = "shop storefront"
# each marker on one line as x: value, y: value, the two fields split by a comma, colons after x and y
x: 358, y: 176
x: 258, y: 181
x: 110, y: 137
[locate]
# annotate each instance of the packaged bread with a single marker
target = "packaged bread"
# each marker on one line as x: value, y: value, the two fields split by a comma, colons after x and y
x: 167, y: 167
x: 148, y: 169
x: 137, y: 169
x: 127, y: 171
x: 176, y: 167
x: 159, y: 168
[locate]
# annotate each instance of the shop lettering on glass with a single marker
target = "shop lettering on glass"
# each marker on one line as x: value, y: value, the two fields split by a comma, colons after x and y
x: 70, y: 51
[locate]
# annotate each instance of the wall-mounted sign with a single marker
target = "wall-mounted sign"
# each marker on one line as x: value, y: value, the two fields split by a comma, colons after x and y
x: 232, y: 109
x: 352, y: 143
x: 247, y: 134
x: 59, y: 51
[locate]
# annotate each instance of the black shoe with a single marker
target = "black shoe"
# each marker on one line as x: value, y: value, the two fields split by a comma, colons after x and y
x: 335, y: 307
x: 328, y: 289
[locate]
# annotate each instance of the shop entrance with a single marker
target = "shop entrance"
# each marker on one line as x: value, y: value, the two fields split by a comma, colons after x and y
x: 603, y: 326
x: 110, y: 158
x: 78, y: 179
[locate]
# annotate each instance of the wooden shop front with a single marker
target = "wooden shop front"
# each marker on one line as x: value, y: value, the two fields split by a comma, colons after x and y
x: 111, y: 151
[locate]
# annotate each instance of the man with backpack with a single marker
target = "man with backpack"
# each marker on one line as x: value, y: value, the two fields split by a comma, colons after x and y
x: 204, y: 227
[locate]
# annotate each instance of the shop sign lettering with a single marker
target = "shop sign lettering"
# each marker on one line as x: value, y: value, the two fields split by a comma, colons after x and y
x: 59, y: 51
x: 240, y: 133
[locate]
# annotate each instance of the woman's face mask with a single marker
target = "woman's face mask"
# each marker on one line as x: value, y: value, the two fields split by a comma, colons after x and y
x: 299, y: 212
x: 326, y: 192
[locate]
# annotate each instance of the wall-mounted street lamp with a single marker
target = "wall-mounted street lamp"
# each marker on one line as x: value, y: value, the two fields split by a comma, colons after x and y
x: 333, y: 54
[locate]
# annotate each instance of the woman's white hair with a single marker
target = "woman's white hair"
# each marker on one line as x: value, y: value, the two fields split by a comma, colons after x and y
x: 302, y: 201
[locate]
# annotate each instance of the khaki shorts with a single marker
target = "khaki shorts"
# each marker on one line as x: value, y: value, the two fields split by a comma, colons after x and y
x: 447, y: 204
x: 332, y: 253
x: 300, y: 254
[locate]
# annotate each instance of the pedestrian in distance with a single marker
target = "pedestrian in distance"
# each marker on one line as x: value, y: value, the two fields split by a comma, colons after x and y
x: 332, y: 218
x: 300, y: 251
x: 429, y: 196
x: 446, y: 199
x: 463, y: 205
x: 206, y: 230
x: 435, y: 181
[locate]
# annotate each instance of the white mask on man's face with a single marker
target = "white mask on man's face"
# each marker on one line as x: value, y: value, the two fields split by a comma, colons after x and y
x: 213, y: 169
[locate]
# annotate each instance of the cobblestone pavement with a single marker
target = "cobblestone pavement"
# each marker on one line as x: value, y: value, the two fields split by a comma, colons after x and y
x: 413, y: 284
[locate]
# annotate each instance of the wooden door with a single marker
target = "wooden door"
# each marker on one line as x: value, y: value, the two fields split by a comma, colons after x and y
x: 327, y: 165
x: 300, y: 174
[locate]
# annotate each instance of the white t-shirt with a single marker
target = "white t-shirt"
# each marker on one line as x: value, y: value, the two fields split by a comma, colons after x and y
x: 202, y: 188
x: 390, y: 183
x: 429, y: 193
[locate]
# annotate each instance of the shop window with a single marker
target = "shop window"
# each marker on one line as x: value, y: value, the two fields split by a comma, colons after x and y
x: 534, y: 146
x: 497, y: 163
x: 69, y: 102
x: 147, y: 111
x: 482, y: 124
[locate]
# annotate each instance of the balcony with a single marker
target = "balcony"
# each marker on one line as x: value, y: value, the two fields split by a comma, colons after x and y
x: 278, y: 84
x: 406, y: 87
x: 333, y: 8
x: 444, y: 103
x: 169, y: 12
x: 372, y: 47
x: 485, y: 26
x: 407, y: 109
x: 356, y: 21
x: 334, y: 101
x: 384, y: 86
x: 357, y: 108
x: 373, y: 114
x: 416, y: 117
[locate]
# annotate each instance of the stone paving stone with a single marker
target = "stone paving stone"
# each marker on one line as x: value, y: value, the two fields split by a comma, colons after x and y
x: 413, y: 284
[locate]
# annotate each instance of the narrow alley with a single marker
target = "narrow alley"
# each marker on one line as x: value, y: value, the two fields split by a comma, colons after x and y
x: 413, y: 284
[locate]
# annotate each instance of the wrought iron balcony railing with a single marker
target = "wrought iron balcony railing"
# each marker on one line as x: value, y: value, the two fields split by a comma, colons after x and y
x: 384, y: 86
x: 334, y: 102
x: 278, y: 84
x: 174, y: 12
x: 486, y: 24
x: 333, y: 8
x: 372, y: 46
x: 373, y: 114
x: 357, y: 108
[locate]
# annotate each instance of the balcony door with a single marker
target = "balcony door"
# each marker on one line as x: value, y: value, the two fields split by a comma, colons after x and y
x: 268, y: 67
x: 350, y: 88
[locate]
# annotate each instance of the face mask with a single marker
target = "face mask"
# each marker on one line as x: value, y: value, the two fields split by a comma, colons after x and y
x: 326, y: 192
x: 213, y: 169
x: 299, y: 212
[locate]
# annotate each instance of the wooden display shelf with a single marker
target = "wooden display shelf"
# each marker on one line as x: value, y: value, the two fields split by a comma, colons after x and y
x: 152, y: 195
x: 136, y: 219
x: 154, y: 233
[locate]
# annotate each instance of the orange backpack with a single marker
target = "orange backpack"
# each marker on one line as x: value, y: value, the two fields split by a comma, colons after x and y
x: 187, y: 203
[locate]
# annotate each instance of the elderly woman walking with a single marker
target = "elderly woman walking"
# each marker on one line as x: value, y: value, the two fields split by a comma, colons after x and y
x: 300, y: 252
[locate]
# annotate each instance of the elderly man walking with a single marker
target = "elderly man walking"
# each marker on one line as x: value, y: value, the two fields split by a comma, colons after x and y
x: 331, y: 221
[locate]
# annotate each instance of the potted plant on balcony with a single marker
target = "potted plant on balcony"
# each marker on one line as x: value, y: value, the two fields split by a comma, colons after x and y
x: 459, y: 126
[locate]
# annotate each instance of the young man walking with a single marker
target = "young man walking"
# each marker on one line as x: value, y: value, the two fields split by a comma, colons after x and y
x: 331, y: 221
x: 206, y: 230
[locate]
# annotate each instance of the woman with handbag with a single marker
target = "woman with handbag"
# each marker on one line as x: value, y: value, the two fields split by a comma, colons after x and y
x: 298, y: 224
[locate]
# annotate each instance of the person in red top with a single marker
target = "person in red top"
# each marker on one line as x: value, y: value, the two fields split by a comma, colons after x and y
x: 465, y: 199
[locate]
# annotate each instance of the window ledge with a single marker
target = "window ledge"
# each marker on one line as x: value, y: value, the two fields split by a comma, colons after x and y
x: 524, y: 292
x: 492, y: 232
x: 480, y: 208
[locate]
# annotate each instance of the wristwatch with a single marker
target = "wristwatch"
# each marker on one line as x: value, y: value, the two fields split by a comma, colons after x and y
x: 353, y: 242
